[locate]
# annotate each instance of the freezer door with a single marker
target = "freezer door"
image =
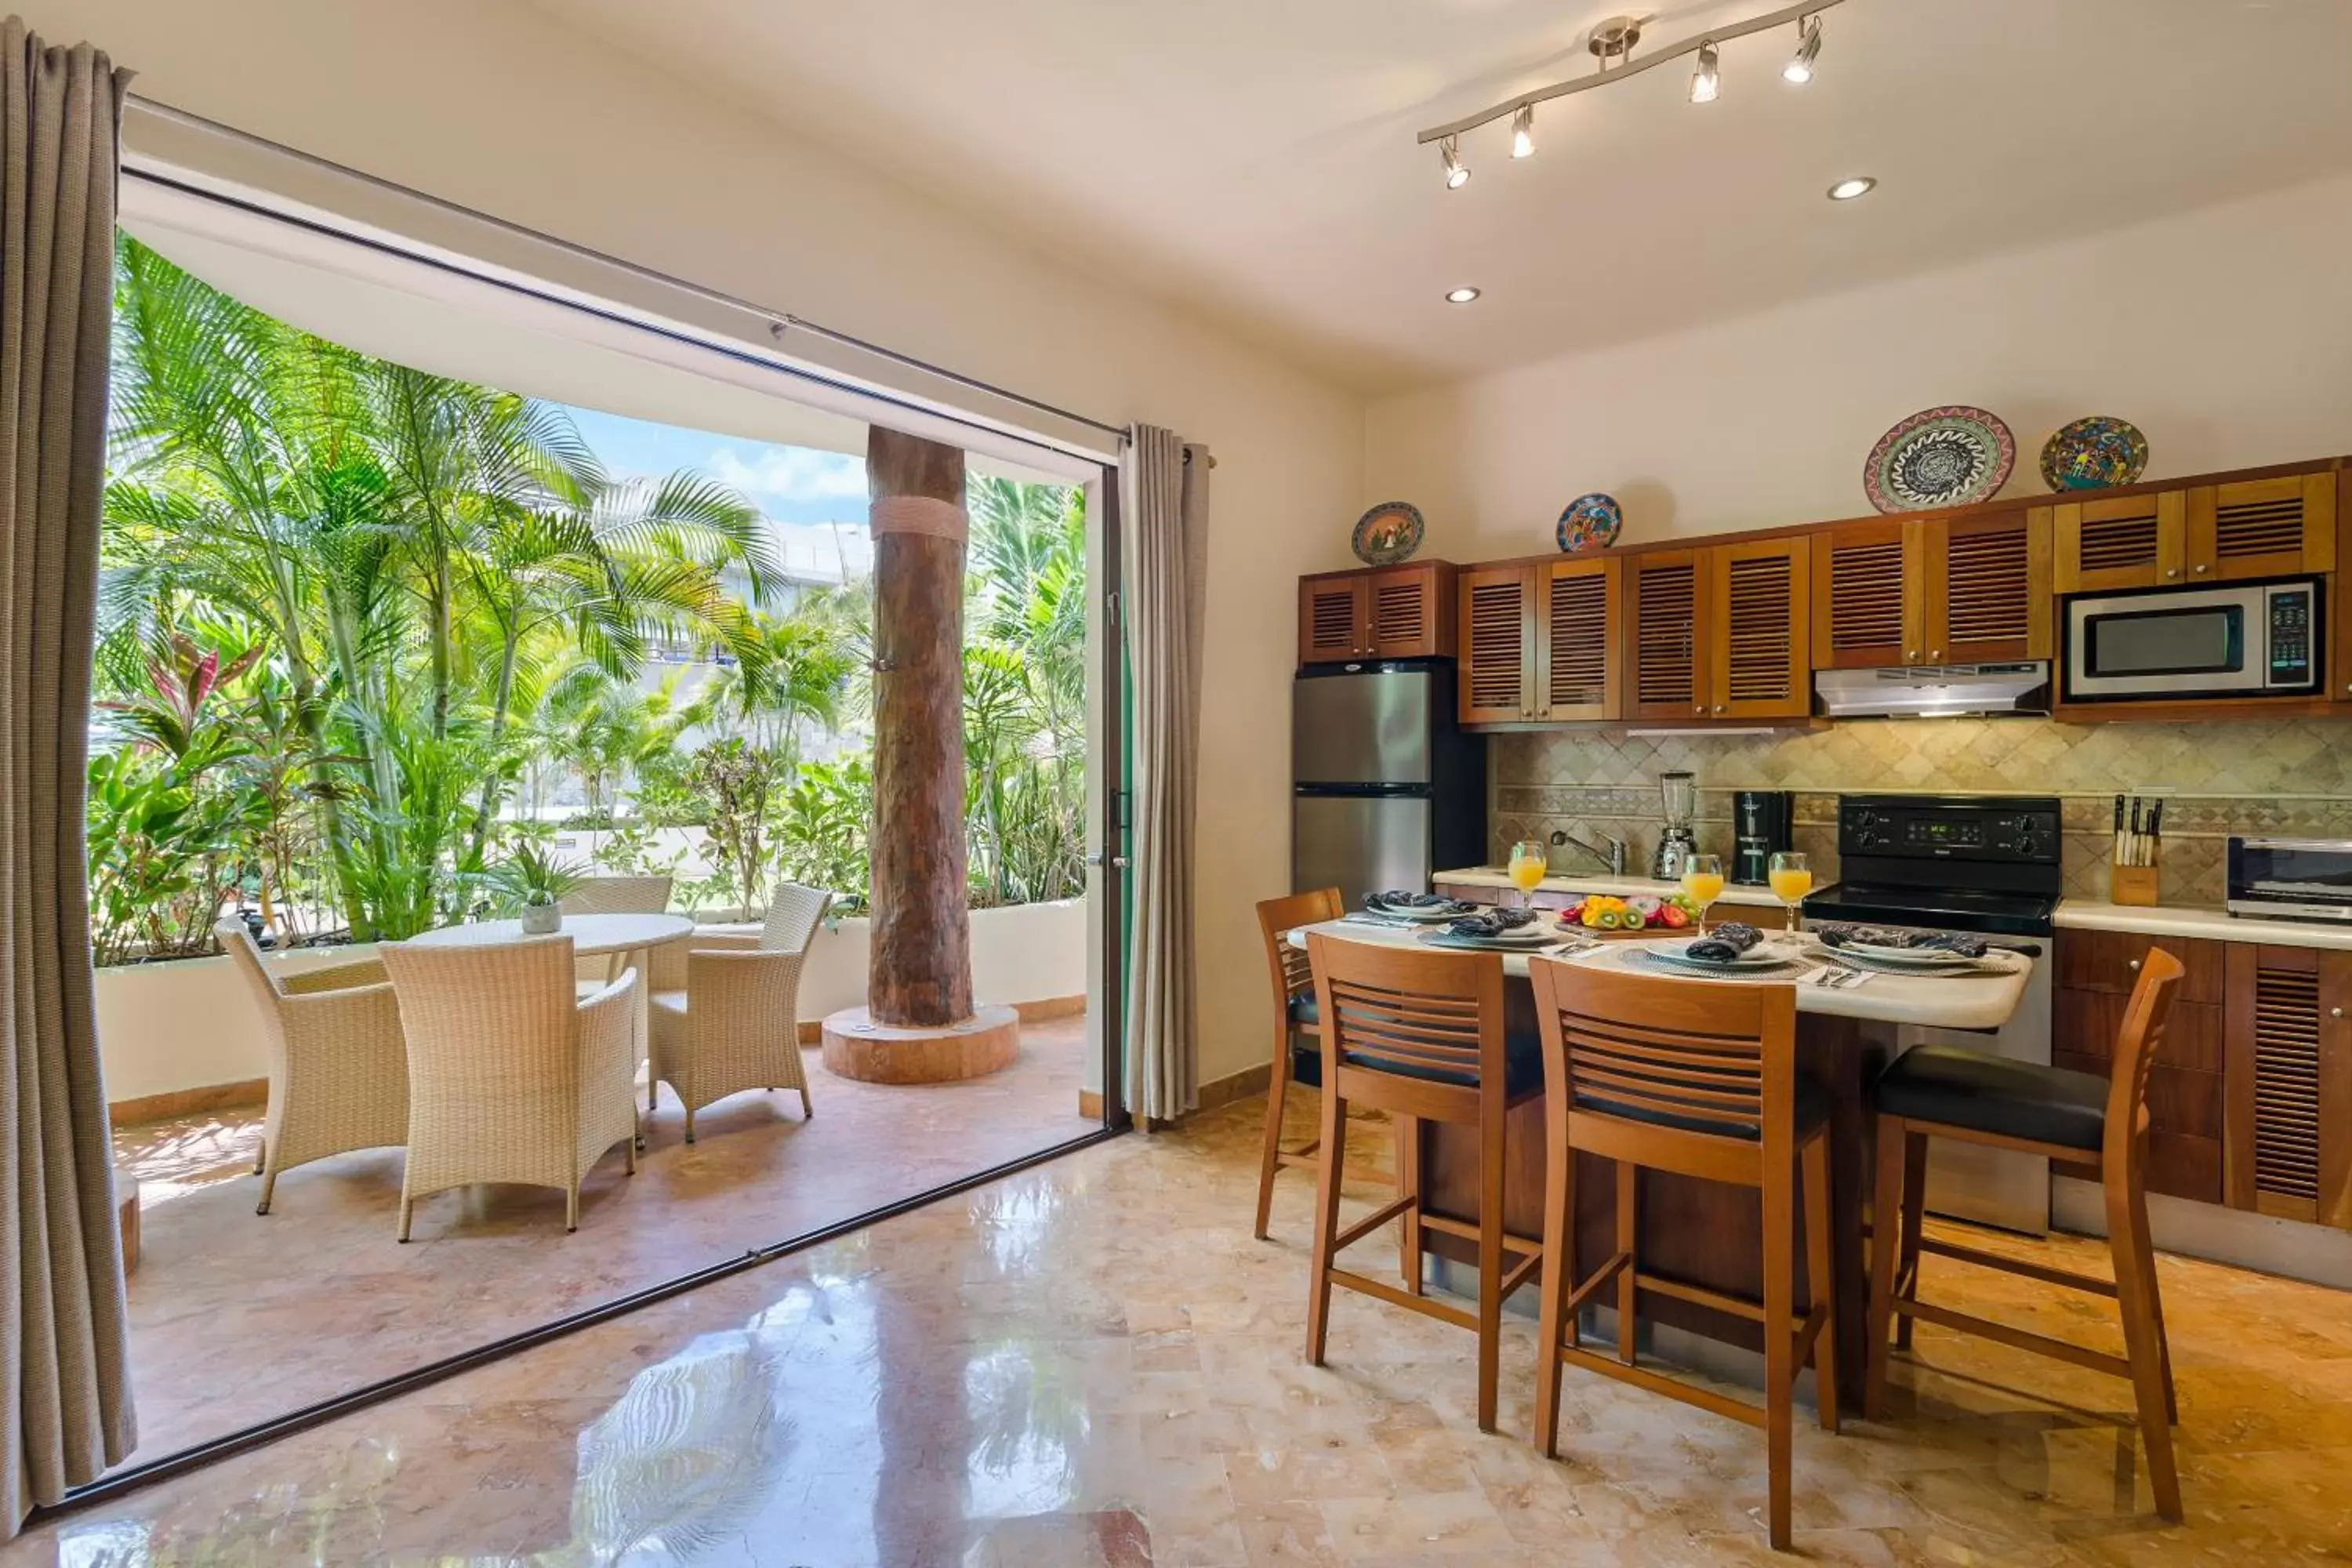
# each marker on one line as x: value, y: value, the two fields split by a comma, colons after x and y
x: 1360, y: 844
x: 1369, y: 726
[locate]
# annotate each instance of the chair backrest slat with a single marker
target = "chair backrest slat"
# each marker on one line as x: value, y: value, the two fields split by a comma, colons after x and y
x: 1276, y: 919
x: 1721, y: 1057
x: 2137, y: 1043
x: 1412, y: 1010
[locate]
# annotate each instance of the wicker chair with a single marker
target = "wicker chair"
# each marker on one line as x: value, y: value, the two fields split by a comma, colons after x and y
x: 736, y: 1022
x: 616, y: 896
x: 511, y: 1078
x: 337, y: 1072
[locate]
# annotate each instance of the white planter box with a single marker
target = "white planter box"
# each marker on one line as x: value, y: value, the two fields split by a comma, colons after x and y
x: 190, y: 1024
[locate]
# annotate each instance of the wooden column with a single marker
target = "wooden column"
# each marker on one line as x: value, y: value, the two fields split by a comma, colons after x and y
x: 920, y: 969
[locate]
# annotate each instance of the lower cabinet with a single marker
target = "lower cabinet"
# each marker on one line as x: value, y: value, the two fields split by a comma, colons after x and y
x: 2250, y: 1102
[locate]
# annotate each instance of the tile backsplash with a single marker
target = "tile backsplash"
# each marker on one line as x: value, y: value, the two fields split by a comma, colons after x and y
x: 2289, y: 776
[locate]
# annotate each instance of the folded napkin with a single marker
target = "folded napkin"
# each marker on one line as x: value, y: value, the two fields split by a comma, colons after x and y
x: 1492, y: 922
x: 1967, y: 946
x: 1725, y: 944
x: 1400, y: 899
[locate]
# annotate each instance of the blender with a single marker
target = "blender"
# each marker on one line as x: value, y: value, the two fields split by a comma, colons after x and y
x: 1676, y: 842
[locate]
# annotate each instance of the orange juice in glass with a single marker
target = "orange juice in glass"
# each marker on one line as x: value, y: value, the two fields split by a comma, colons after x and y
x: 1791, y: 876
x: 1525, y: 868
x: 1703, y: 881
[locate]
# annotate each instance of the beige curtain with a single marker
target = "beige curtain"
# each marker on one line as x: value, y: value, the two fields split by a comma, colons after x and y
x: 65, y: 1394
x: 1166, y: 548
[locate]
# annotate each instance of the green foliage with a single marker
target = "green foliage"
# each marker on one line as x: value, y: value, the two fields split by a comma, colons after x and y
x: 350, y: 612
x: 532, y: 877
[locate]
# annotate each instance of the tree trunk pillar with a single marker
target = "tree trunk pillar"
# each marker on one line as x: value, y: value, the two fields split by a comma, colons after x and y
x: 920, y: 972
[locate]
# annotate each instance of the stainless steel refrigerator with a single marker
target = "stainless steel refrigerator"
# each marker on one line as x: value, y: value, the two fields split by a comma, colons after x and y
x: 1387, y: 788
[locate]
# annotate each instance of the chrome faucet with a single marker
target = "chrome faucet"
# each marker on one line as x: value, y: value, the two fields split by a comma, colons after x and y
x: 1613, y: 857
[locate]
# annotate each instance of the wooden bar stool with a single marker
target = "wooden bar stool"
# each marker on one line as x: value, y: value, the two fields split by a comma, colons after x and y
x: 1419, y: 1032
x: 2092, y: 1127
x: 1697, y: 1078
x: 1298, y: 1051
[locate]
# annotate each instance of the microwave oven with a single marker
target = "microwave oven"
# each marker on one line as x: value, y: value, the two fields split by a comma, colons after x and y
x: 2250, y: 639
x: 2290, y: 878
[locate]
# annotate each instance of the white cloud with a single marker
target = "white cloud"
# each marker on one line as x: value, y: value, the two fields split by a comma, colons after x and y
x: 790, y: 473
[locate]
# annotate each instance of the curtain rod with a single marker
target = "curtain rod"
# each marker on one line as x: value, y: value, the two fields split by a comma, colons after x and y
x: 779, y: 321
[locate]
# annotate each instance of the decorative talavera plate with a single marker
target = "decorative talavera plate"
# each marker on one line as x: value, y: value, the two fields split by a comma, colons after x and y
x: 1590, y: 522
x: 2092, y: 453
x: 1939, y: 456
x: 1388, y: 534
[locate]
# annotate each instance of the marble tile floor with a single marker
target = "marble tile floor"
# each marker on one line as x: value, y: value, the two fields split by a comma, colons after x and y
x: 237, y: 1317
x: 1093, y: 1363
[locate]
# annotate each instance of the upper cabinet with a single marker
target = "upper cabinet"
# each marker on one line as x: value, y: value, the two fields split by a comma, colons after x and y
x: 1720, y: 633
x: 2239, y: 529
x: 1540, y: 642
x: 1386, y: 612
x: 1932, y: 590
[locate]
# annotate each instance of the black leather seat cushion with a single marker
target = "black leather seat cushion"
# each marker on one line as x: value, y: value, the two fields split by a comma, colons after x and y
x: 1522, y: 1065
x: 1993, y: 1094
x: 1812, y: 1110
x: 1303, y: 1009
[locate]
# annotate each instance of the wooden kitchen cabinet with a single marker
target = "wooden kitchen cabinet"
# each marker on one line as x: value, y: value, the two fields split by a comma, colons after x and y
x: 1723, y: 633
x: 1386, y: 612
x: 2287, y: 1126
x: 1932, y: 590
x: 2187, y: 1095
x: 1540, y: 643
x: 2279, y: 526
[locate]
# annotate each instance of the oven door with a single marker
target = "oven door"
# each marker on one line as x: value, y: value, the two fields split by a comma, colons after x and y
x: 2209, y: 642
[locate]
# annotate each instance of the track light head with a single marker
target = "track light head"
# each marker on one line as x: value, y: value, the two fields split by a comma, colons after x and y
x: 1457, y: 173
x: 1707, y: 80
x: 1800, y: 68
x: 1523, y: 132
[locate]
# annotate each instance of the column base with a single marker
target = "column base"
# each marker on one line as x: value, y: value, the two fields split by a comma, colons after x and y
x: 856, y: 1047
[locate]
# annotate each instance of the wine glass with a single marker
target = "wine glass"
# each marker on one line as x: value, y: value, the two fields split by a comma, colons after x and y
x: 1703, y: 881
x: 1791, y: 876
x: 1527, y: 867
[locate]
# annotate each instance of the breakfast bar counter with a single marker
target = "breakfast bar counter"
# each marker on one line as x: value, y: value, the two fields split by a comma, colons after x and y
x: 1702, y: 1233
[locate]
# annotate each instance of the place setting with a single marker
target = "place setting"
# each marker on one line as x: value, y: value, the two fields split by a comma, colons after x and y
x: 1879, y: 950
x: 1508, y: 931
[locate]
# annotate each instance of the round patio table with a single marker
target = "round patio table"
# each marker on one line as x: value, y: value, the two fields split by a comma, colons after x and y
x: 621, y: 937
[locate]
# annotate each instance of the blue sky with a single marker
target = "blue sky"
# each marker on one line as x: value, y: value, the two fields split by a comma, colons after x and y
x: 816, y: 501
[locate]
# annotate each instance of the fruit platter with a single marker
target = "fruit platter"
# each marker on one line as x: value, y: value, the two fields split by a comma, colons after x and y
x: 1602, y: 916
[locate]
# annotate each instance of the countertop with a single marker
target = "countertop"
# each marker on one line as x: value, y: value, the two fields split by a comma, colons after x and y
x: 1602, y: 882
x: 1981, y: 1001
x: 2199, y: 920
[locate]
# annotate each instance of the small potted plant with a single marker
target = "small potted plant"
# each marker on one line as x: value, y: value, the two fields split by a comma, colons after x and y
x: 532, y: 883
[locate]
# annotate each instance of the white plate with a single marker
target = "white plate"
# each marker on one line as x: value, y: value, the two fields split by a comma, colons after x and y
x: 1763, y: 955
x: 1416, y: 917
x: 1988, y: 964
x: 1925, y: 957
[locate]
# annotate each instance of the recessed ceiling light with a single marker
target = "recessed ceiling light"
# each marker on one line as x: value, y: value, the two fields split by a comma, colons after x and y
x: 1460, y: 295
x: 1846, y: 190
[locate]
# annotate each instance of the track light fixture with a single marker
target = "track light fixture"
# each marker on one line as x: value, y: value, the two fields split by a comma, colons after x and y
x: 1612, y: 43
x: 1800, y: 68
x: 1707, y: 80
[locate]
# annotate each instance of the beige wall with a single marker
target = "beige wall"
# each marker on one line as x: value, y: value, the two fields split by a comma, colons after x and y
x: 2225, y: 335
x: 502, y: 107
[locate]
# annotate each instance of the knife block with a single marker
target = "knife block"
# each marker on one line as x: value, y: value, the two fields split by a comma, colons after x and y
x: 2135, y: 884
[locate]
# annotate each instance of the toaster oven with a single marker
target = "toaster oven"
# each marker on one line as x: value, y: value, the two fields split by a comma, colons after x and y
x: 2290, y: 878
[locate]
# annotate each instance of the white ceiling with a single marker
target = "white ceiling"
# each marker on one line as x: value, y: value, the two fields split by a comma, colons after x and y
x: 1255, y: 159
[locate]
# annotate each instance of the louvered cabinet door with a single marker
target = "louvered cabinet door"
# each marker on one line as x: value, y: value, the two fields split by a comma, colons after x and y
x: 2262, y: 527
x: 1496, y: 631
x: 1577, y: 636
x: 1665, y: 677
x: 2288, y: 1079
x: 1758, y: 627
x: 1331, y: 618
x: 2125, y: 542
x: 1406, y: 612
x: 1986, y: 585
x: 1866, y: 596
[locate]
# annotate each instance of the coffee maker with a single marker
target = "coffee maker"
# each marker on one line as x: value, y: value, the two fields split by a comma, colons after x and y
x: 1763, y: 824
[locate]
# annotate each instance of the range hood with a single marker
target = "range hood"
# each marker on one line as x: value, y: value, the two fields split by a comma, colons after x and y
x: 1934, y: 690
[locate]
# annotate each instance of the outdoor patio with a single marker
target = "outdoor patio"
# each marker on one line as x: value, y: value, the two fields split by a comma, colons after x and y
x: 237, y: 1318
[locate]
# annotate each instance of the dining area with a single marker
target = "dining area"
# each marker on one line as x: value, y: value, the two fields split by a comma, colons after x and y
x: 1697, y: 1157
